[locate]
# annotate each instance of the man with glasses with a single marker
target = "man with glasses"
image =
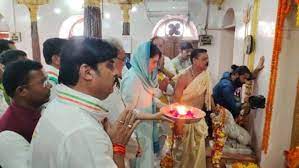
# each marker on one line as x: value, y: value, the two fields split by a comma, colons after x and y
x: 27, y: 85
x: 113, y: 103
x: 74, y: 131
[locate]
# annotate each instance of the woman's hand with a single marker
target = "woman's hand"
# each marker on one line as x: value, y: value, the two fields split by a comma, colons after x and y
x: 156, y: 116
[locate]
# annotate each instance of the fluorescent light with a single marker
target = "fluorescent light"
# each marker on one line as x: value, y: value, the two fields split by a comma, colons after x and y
x: 134, y: 9
x: 57, y: 10
x: 107, y: 16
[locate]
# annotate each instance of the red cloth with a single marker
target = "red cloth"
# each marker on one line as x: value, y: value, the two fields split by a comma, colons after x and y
x: 19, y: 120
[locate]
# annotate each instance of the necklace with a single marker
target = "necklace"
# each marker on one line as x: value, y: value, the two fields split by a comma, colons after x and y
x: 192, y: 73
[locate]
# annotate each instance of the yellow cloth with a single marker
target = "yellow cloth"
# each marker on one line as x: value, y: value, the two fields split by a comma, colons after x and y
x: 163, y: 97
x: 189, y: 152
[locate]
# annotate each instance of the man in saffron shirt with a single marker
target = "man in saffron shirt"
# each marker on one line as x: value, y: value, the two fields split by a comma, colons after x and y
x: 27, y: 85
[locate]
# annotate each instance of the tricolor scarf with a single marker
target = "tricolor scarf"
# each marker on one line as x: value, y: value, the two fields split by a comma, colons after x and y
x: 85, y: 102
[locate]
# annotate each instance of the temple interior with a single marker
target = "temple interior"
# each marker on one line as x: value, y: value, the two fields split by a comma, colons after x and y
x: 252, y: 33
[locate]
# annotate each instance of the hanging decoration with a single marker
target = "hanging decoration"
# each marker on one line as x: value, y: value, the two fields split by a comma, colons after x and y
x: 284, y: 7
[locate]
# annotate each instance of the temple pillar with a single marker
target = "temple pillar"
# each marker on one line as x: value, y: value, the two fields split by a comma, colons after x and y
x: 92, y: 18
x: 33, y: 5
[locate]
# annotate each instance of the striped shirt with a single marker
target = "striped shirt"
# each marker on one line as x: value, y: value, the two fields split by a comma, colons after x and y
x: 70, y: 133
x: 52, y: 74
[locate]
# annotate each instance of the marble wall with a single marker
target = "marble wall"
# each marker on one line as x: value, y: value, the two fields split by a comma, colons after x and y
x: 287, y: 76
x: 283, y: 111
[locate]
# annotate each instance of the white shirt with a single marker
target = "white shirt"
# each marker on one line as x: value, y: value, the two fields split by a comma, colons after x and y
x: 114, y: 105
x: 69, y: 134
x: 168, y: 65
x: 14, y: 150
x: 180, y: 64
x: 52, y: 74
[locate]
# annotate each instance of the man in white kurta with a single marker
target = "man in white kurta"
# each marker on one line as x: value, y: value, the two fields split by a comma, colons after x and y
x: 113, y: 103
x: 14, y: 150
x: 52, y: 74
x: 51, y: 51
x: 78, y: 137
x: 74, y: 131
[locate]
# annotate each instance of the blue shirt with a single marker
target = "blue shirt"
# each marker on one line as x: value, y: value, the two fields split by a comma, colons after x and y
x: 223, y: 94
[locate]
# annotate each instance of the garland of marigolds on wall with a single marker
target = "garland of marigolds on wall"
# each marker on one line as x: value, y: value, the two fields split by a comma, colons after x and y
x: 292, y: 158
x: 219, y: 136
x: 284, y: 7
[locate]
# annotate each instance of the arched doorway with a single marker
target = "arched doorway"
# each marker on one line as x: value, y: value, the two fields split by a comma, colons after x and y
x: 72, y: 26
x: 175, y: 29
x: 227, y: 42
x: 4, y: 28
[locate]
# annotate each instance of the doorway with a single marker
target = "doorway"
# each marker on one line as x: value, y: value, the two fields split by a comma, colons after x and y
x: 227, y: 42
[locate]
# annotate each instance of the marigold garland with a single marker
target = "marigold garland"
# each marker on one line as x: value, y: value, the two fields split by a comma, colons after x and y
x: 292, y: 157
x: 219, y: 137
x: 244, y: 165
x: 284, y: 7
x: 297, y: 18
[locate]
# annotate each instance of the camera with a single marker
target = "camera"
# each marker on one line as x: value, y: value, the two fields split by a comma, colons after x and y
x: 256, y: 102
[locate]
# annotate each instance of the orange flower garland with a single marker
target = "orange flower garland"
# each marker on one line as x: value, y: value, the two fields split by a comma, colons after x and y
x: 284, y: 7
x: 244, y: 165
x: 218, y: 136
x: 292, y: 157
x: 297, y: 18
